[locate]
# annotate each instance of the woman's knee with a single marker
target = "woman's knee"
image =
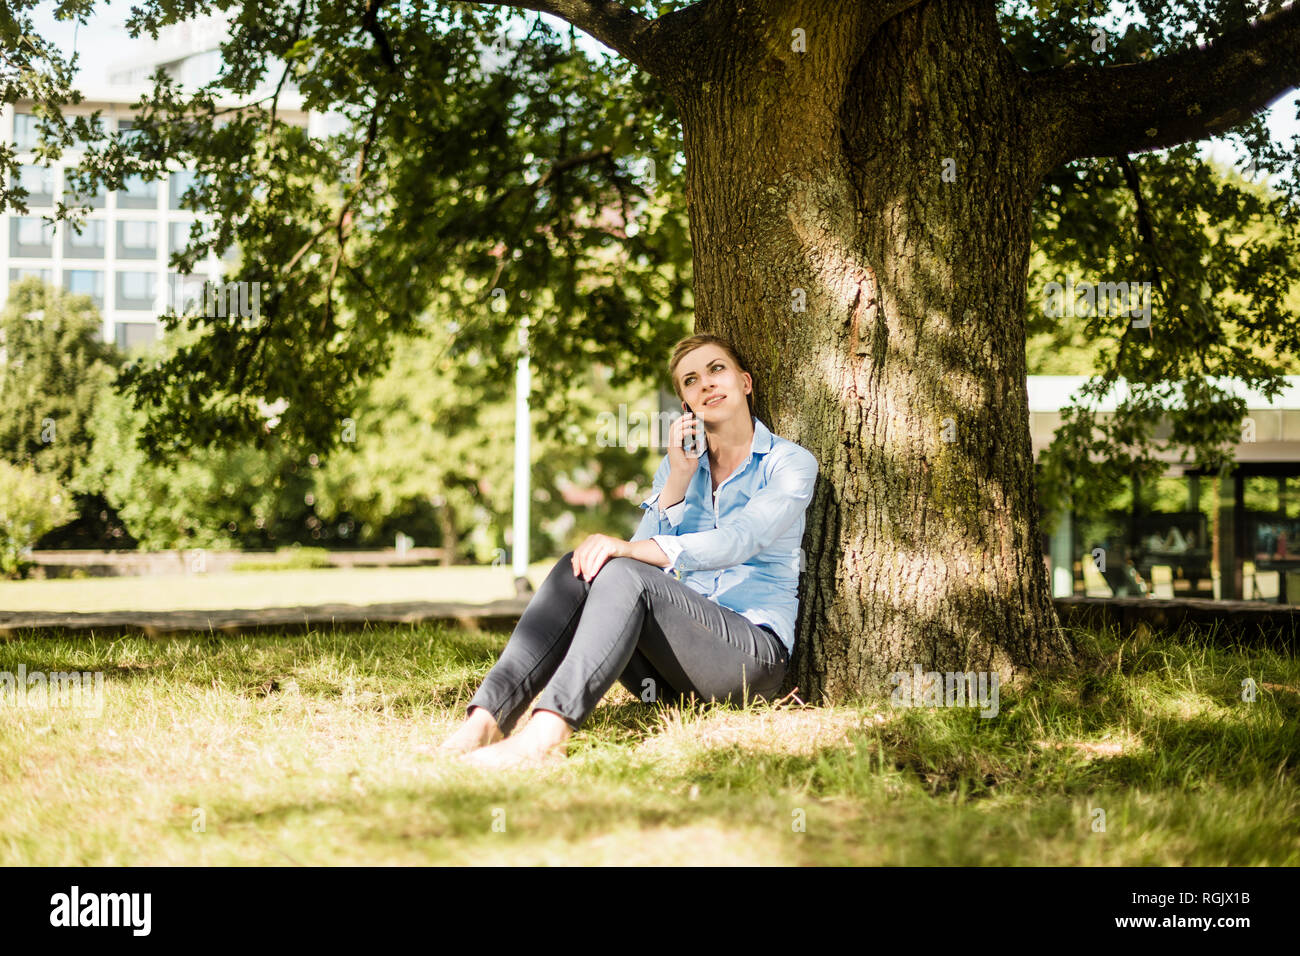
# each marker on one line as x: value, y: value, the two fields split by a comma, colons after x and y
x: 562, y: 576
x: 620, y: 570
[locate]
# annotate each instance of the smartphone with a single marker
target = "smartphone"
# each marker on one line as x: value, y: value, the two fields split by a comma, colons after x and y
x: 688, y: 440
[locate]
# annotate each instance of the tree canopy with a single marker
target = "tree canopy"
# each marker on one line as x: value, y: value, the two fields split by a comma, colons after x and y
x: 479, y: 134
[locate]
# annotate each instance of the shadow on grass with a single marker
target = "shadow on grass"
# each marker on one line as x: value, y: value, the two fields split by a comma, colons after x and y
x: 260, y: 661
x: 556, y: 805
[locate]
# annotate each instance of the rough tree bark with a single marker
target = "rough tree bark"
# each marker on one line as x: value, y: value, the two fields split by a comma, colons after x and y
x: 860, y: 216
x: 817, y: 180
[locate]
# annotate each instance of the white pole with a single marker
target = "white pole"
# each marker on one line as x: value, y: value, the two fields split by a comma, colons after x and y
x: 523, y: 434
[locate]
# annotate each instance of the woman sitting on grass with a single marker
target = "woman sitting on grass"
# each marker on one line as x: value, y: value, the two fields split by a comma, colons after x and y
x: 702, y: 600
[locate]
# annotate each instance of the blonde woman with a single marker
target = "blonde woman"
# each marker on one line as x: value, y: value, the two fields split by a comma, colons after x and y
x: 700, y: 601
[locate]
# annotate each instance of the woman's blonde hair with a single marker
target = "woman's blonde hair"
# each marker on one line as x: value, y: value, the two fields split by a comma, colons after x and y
x: 693, y: 342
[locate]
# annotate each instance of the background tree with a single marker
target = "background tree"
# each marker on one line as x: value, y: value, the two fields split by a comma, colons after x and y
x: 219, y: 498
x: 426, y: 442
x: 53, y: 364
x: 1085, y: 224
x: 424, y: 455
x: 31, y: 504
x: 1221, y: 254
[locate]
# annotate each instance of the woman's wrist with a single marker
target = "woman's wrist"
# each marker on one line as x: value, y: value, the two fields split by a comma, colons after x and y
x: 647, y: 551
x: 674, y: 490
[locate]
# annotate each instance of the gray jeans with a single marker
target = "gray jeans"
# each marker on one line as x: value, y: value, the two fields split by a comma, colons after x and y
x: 637, y: 625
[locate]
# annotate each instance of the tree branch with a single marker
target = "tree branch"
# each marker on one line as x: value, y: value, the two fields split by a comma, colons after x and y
x: 1179, y: 98
x: 555, y: 171
x: 342, y: 227
x: 370, y: 23
x: 668, y: 47
x: 647, y: 43
x: 1146, y: 230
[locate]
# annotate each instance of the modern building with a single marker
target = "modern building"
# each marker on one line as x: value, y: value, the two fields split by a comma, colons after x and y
x: 120, y: 258
x: 1177, y: 539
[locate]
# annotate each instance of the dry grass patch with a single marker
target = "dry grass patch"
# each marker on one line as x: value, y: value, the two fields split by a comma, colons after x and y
x: 696, y: 844
x: 1108, y: 746
x: 792, y: 731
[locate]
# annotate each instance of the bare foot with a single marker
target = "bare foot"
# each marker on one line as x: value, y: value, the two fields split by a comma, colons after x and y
x: 479, y: 730
x: 541, y: 743
x: 513, y: 752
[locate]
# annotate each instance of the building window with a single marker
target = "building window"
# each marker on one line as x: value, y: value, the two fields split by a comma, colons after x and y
x: 177, y: 183
x: 31, y: 237
x: 25, y: 135
x: 18, y: 275
x: 127, y: 133
x: 137, y: 239
x: 39, y: 183
x: 138, y: 193
x: 96, y: 201
x: 88, y: 245
x: 1260, y: 493
x: 187, y: 292
x: 85, y: 282
x: 135, y: 290
x: 133, y: 335
x: 95, y: 124
x: 179, y: 236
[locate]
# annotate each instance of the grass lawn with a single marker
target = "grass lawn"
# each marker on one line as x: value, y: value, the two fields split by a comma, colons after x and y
x: 253, y: 589
x: 279, y: 750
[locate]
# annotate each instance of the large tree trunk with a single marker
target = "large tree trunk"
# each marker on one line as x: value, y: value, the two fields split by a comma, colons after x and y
x: 821, y: 174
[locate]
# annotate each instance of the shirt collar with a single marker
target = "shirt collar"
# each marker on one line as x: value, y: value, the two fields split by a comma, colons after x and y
x: 761, y: 444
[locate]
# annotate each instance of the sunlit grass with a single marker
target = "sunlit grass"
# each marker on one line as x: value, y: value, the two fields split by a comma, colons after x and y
x: 257, y: 589
x: 315, y: 750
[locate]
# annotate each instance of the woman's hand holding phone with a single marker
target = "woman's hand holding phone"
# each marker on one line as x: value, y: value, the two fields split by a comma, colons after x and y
x: 682, y: 460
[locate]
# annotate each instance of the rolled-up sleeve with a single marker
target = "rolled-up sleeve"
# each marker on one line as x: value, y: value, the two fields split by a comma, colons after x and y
x: 766, y: 516
x: 656, y: 520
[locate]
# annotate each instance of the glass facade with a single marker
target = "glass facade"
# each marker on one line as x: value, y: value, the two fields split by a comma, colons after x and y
x: 17, y: 275
x: 30, y: 237
x: 138, y: 194
x: 137, y: 239
x: 118, y: 257
x: 86, y: 282
x: 131, y: 335
x: 136, y: 291
x: 178, y: 236
x: 39, y: 183
x: 24, y: 131
x: 90, y: 244
x: 126, y: 132
x: 177, y: 183
x: 186, y: 292
x: 97, y: 201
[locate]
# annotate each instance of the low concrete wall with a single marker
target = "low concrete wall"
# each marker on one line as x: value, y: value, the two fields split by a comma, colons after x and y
x: 494, y: 616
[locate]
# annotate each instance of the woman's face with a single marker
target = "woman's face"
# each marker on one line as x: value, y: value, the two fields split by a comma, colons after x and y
x: 713, y: 385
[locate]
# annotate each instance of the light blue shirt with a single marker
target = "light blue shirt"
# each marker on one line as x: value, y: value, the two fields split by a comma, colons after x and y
x: 742, y: 550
